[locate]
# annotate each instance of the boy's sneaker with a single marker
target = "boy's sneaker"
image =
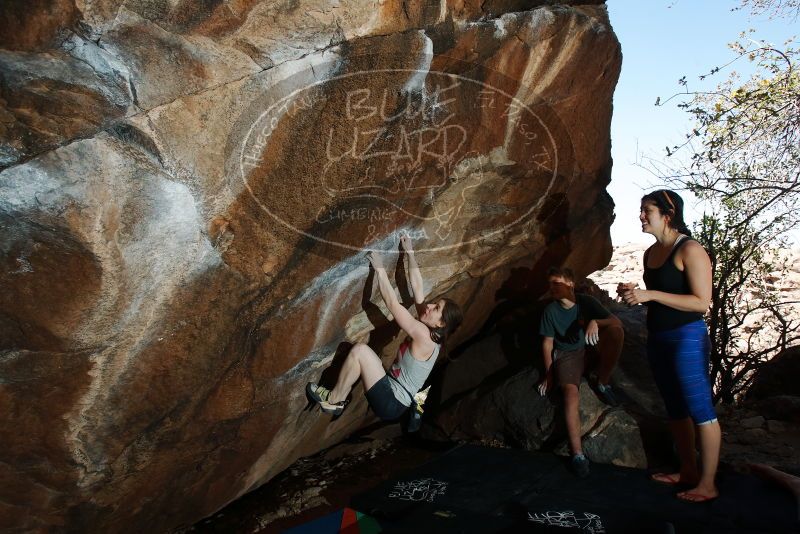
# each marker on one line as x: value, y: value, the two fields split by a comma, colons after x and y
x: 607, y: 394
x: 316, y: 392
x: 580, y: 465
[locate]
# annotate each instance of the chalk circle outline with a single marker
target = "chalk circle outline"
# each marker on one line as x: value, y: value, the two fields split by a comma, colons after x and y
x: 307, y: 87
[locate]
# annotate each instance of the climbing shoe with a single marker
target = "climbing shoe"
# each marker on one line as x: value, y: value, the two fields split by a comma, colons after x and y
x: 316, y: 392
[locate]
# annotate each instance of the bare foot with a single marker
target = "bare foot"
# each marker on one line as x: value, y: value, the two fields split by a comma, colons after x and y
x: 675, y: 479
x: 699, y: 494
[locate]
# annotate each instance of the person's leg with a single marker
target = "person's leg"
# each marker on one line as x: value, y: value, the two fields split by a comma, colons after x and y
x: 660, y: 352
x: 609, y: 349
x: 573, y: 418
x: 568, y: 369
x: 691, y: 363
x: 790, y: 482
x: 361, y: 362
x: 710, y: 437
x: 684, y: 437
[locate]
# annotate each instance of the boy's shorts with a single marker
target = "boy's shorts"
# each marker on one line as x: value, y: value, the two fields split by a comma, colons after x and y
x: 569, y: 366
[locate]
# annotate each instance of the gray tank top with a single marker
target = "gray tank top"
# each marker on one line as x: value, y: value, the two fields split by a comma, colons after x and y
x: 410, y: 372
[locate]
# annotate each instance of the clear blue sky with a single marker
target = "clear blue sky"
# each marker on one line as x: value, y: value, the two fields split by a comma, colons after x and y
x: 663, y: 40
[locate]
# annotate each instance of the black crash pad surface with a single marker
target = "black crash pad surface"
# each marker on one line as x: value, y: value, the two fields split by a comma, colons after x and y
x: 480, y: 489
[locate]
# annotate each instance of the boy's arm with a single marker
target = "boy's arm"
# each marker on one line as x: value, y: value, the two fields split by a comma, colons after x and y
x: 611, y: 320
x: 593, y: 327
x: 547, y: 354
x: 598, y: 317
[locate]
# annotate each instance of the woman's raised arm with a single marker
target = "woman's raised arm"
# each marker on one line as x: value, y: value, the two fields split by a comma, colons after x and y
x: 404, y: 319
x: 414, y: 274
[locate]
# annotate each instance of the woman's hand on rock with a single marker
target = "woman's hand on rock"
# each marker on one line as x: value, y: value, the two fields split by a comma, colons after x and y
x: 405, y: 242
x: 375, y: 259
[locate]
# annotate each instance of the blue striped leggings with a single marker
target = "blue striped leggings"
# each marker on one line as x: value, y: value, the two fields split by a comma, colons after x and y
x: 679, y: 360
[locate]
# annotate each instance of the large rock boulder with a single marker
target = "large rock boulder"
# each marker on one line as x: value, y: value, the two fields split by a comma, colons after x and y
x: 187, y: 195
x: 778, y: 376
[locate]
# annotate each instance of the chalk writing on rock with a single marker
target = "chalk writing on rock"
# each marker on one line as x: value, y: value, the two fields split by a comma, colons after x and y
x: 348, y: 156
x: 424, y: 489
x: 569, y: 519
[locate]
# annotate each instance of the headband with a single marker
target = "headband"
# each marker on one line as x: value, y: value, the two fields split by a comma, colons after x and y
x: 666, y: 195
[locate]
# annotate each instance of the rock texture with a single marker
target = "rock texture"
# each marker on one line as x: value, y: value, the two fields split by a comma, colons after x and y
x: 755, y: 433
x: 187, y: 193
x: 765, y: 427
x: 778, y: 376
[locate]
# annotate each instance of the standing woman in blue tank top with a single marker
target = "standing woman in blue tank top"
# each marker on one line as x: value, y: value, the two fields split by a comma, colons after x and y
x: 677, y: 273
x: 389, y: 397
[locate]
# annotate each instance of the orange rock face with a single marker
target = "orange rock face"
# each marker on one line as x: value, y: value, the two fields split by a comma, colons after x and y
x: 186, y: 198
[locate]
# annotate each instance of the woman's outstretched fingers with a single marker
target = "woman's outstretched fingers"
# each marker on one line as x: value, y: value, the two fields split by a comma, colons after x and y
x: 375, y: 259
x: 405, y: 242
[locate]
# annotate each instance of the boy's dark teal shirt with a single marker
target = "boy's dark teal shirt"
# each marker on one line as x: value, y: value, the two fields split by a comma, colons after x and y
x: 567, y: 327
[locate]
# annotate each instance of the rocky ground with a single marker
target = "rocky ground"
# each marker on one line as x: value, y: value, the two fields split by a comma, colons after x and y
x: 749, y: 437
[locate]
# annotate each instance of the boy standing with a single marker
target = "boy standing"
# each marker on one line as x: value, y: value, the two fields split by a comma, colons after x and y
x: 568, y: 324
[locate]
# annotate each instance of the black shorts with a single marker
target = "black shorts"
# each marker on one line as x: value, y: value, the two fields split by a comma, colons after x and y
x: 383, y: 402
x: 569, y: 366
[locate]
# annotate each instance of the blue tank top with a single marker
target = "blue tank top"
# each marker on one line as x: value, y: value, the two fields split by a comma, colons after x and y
x: 669, y: 279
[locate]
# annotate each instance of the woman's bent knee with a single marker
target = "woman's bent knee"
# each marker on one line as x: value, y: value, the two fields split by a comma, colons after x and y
x: 364, y: 354
x: 359, y: 348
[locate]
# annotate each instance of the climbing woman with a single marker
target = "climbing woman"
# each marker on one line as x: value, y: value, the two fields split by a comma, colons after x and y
x: 677, y: 274
x: 390, y: 393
